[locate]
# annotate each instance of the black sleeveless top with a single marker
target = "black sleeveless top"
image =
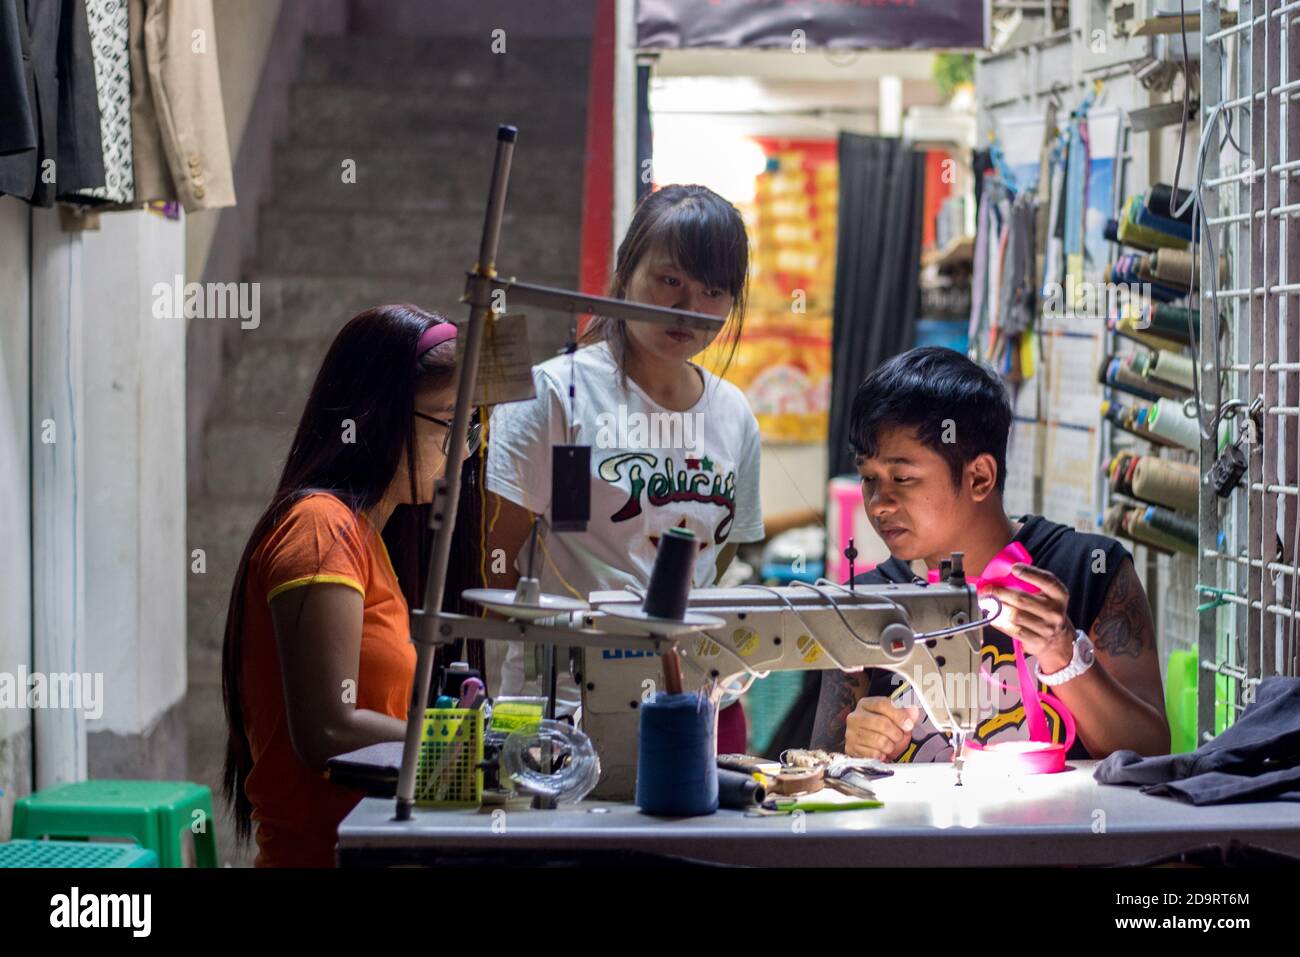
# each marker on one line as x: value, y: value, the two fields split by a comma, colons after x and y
x: 1086, y: 564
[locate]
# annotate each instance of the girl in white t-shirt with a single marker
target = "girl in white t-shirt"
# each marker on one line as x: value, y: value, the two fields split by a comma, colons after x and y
x: 671, y: 443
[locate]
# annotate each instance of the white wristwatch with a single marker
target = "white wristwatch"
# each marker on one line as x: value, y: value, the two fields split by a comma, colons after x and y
x: 1083, y: 660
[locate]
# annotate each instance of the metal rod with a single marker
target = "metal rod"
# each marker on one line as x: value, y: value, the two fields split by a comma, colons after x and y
x: 426, y: 627
x: 1275, y: 489
x: 565, y: 300
x: 1275, y: 567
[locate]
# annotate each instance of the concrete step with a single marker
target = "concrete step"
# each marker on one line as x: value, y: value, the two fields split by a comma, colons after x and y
x: 244, y: 459
x: 435, y: 249
x: 296, y: 307
x: 270, y: 379
x: 374, y: 60
x: 220, y: 526
x: 412, y: 179
x: 359, y: 117
x: 206, y: 615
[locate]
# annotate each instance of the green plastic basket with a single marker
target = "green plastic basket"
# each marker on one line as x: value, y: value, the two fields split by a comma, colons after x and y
x: 28, y: 853
x: 449, y: 770
x: 1180, y: 700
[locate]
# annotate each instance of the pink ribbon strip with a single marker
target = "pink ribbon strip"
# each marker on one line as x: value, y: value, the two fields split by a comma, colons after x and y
x: 1038, y: 755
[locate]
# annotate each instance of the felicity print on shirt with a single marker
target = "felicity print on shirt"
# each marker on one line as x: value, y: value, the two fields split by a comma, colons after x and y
x: 698, y: 483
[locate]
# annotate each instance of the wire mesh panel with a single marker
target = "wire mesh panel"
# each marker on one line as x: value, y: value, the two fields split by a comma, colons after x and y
x: 1248, y: 184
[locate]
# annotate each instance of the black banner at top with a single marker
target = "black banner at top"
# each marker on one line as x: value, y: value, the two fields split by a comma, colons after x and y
x: 844, y: 24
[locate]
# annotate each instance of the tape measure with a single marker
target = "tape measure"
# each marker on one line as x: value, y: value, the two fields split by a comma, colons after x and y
x: 797, y: 780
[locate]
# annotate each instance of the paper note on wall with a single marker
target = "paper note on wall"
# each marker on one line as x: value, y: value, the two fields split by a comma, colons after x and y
x: 1070, y: 476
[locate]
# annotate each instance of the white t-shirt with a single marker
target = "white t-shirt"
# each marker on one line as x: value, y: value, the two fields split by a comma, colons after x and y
x: 651, y: 470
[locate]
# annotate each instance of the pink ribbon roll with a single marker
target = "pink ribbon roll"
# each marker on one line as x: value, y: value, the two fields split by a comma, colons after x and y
x: 1038, y: 755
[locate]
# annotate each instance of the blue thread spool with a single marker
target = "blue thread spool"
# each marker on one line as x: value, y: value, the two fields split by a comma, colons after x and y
x: 676, y: 762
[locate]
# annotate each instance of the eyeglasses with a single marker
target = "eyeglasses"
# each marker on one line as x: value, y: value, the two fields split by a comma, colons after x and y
x: 472, y: 438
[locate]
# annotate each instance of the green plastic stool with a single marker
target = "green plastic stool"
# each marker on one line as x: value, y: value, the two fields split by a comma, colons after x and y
x: 156, y: 814
x: 27, y: 853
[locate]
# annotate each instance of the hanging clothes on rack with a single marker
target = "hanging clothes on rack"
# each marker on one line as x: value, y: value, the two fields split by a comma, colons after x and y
x: 180, y: 149
x: 1078, y: 167
x: 1004, y: 285
x: 17, y: 87
x: 53, y: 46
x: 1054, y: 256
x: 110, y: 44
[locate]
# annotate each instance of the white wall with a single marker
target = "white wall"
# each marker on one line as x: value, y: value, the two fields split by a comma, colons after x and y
x: 92, y: 524
x: 134, y: 383
x: 15, y: 514
x: 58, y: 492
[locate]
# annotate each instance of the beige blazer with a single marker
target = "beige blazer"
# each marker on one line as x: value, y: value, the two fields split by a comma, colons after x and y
x: 178, y: 122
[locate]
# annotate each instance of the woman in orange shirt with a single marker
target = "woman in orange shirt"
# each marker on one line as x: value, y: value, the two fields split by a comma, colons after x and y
x: 317, y: 659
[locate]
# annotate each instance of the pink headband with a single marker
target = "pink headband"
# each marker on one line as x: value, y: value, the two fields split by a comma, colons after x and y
x: 435, y: 336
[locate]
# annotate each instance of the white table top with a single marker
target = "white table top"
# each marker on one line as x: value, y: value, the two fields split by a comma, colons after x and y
x: 1057, y: 819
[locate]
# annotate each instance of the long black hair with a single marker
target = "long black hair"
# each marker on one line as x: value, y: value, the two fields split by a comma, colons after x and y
x: 367, y: 384
x: 703, y: 234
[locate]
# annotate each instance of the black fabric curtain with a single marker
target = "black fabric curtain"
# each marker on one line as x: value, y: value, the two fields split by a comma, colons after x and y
x: 877, y: 270
x: 644, y: 132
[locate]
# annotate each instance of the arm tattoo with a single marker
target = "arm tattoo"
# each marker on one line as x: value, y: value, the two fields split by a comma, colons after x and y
x: 839, y: 696
x: 1123, y: 626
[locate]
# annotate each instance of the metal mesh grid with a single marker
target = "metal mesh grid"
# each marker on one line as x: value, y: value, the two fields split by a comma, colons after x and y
x: 1249, y: 190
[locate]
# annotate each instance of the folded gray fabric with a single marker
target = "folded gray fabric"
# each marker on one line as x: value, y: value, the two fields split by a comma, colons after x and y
x: 1256, y: 759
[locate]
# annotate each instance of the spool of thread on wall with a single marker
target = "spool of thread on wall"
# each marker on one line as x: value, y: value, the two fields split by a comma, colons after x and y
x: 1166, y: 419
x: 1142, y: 366
x: 1162, y: 198
x: 1174, y: 369
x: 1142, y: 229
x: 1173, y: 267
x: 1172, y: 484
x: 1117, y: 374
x: 1181, y: 528
x: 1128, y: 327
x: 1140, y: 530
x: 1169, y: 321
x: 1127, y: 418
x: 676, y: 761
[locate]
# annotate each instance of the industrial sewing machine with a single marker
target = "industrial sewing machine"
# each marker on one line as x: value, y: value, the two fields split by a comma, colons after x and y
x: 929, y: 635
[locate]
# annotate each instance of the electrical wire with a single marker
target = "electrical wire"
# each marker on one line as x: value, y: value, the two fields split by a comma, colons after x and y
x: 1187, y: 110
x: 546, y: 553
x: 835, y: 605
x: 958, y: 629
x: 808, y: 628
x: 853, y: 594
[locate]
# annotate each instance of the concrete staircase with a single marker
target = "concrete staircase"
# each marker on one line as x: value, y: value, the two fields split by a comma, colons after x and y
x: 417, y: 115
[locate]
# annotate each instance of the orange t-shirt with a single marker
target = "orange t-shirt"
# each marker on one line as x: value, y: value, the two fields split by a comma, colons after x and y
x: 320, y: 540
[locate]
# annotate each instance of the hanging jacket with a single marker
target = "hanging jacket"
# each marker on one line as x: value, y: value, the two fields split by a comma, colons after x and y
x: 178, y: 123
x: 53, y: 44
x: 17, y: 91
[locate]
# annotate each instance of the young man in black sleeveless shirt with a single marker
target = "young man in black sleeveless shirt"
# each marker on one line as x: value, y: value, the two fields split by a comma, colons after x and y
x: 929, y: 432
